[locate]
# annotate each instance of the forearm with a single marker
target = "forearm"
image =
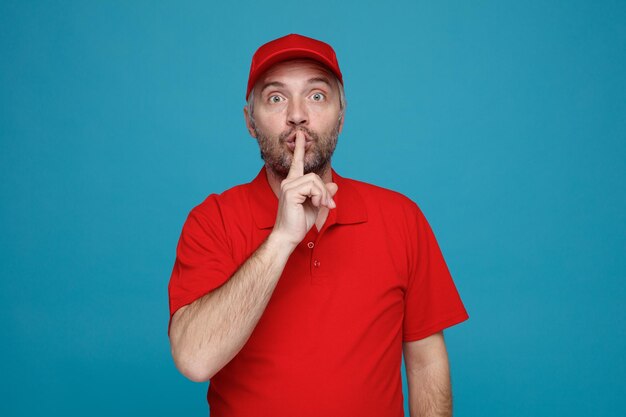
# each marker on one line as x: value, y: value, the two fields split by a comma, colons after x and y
x: 430, y: 393
x: 209, y: 332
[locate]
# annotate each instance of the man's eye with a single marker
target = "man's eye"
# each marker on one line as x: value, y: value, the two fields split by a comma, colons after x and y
x: 318, y: 97
x: 275, y: 99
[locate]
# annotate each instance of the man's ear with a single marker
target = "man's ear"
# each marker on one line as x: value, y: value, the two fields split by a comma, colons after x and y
x: 248, y: 122
x: 342, y: 116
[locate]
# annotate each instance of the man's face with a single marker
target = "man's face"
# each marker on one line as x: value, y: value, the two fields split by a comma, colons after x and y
x: 290, y: 96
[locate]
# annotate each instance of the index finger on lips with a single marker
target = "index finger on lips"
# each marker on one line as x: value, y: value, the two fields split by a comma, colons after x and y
x: 297, y: 164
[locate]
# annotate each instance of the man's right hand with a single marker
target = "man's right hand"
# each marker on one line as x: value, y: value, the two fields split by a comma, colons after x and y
x: 301, y: 198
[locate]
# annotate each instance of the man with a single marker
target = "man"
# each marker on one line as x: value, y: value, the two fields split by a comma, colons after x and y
x: 297, y: 293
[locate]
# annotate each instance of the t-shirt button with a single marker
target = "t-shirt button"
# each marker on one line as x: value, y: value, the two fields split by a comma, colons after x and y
x: 316, y: 263
x: 310, y: 245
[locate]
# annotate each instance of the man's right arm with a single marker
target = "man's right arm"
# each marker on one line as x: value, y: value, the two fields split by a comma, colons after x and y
x: 206, y: 334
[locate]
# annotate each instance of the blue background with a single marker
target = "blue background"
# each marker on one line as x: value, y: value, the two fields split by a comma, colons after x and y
x: 505, y: 121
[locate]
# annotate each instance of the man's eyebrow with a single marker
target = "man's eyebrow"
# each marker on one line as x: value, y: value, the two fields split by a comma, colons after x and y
x: 272, y: 84
x: 309, y: 81
x: 320, y: 80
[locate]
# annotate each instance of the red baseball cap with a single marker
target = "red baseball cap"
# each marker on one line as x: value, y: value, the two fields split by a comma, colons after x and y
x: 290, y: 47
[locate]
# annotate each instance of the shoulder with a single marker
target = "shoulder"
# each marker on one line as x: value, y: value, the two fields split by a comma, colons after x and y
x: 215, y: 205
x: 377, y: 196
x: 390, y: 209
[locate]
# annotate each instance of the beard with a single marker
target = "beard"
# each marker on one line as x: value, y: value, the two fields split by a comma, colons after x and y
x: 316, y: 159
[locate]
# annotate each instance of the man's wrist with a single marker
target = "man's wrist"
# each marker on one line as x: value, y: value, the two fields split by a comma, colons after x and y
x: 280, y: 245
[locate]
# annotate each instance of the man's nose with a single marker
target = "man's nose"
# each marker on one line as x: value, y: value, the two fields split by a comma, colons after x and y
x: 297, y: 113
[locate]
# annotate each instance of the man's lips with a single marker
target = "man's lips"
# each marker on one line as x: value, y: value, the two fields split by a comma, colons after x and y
x: 292, y: 137
x: 291, y: 142
x: 292, y: 145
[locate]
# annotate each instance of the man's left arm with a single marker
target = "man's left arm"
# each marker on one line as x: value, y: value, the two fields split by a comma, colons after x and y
x: 428, y: 377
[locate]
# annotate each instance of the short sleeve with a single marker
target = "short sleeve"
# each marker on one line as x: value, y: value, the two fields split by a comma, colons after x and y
x: 432, y: 302
x: 204, y: 260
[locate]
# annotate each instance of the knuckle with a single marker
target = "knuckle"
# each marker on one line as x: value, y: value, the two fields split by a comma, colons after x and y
x: 318, y: 179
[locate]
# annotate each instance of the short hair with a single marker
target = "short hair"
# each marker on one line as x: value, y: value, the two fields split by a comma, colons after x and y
x: 342, y: 101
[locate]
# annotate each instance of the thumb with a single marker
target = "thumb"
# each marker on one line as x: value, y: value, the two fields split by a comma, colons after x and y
x: 332, y: 188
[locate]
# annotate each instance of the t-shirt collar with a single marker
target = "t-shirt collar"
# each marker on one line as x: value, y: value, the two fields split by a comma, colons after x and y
x: 264, y: 203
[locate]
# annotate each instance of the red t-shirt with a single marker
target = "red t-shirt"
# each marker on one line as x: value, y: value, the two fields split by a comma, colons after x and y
x: 329, y: 342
